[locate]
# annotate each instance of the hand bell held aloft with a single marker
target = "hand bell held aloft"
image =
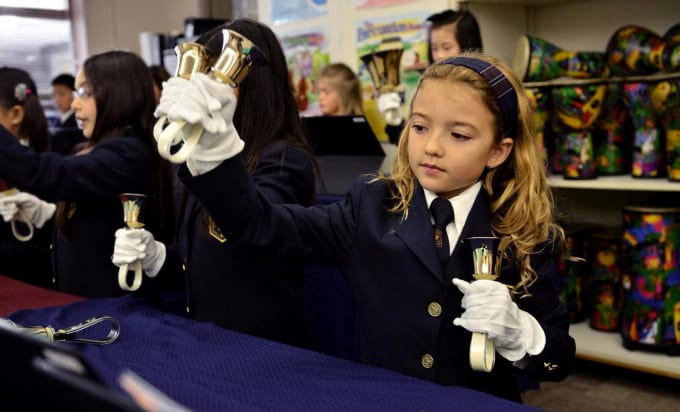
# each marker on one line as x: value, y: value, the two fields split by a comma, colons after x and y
x: 238, y: 56
x: 484, y: 250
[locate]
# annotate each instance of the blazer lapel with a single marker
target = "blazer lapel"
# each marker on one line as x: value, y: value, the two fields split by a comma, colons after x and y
x: 417, y: 233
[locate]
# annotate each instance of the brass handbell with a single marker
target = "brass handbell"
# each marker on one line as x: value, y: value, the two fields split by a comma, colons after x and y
x: 485, y: 262
x: 191, y: 58
x: 132, y: 210
x: 383, y: 64
x: 69, y: 334
x: 238, y: 56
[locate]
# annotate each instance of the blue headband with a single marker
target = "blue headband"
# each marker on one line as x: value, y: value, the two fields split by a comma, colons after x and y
x: 501, y: 86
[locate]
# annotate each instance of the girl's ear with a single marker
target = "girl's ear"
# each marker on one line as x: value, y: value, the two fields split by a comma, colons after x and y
x: 16, y: 117
x: 500, y: 152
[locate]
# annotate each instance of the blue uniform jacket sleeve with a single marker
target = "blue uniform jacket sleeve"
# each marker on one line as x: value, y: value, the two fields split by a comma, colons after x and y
x: 112, y: 167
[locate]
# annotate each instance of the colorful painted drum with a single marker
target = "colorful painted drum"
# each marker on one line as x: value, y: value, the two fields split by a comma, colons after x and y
x: 576, y: 109
x: 672, y: 34
x: 613, y: 134
x: 536, y: 60
x: 648, y: 148
x: 539, y: 103
x: 650, y: 270
x: 665, y: 99
x: 604, y: 286
x: 635, y: 50
x: 573, y: 271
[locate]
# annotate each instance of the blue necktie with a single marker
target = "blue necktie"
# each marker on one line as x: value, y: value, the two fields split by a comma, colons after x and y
x: 442, y: 212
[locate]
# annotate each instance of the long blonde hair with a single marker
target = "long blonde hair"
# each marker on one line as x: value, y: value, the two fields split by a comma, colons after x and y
x: 348, y: 86
x: 523, y: 211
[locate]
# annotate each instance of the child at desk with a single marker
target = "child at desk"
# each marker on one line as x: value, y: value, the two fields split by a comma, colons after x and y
x: 468, y: 141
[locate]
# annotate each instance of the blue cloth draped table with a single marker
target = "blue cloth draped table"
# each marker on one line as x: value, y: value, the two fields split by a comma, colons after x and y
x: 207, y: 368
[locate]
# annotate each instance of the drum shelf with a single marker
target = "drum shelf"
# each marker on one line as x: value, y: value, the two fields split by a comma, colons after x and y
x: 570, y: 81
x: 622, y: 183
x: 607, y: 348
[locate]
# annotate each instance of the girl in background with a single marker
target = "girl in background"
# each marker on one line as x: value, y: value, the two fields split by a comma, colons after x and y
x: 339, y: 91
x: 450, y: 33
x: 237, y: 286
x: 114, y: 106
x: 468, y: 145
x: 22, y: 115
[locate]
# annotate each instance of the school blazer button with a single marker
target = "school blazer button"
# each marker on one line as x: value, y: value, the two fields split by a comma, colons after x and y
x: 434, y: 309
x: 427, y: 361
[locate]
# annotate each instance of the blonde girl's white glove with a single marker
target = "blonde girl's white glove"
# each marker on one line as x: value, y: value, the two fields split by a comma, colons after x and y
x: 211, y: 104
x: 389, y: 105
x: 30, y: 207
x: 490, y: 309
x: 139, y: 244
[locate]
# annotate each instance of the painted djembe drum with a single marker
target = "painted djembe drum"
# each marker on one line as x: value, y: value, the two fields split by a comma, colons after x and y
x: 648, y: 158
x: 665, y: 100
x: 635, y: 50
x: 573, y: 271
x: 604, y: 284
x: 613, y: 134
x: 576, y: 108
x: 539, y: 103
x: 650, y: 317
x: 536, y: 59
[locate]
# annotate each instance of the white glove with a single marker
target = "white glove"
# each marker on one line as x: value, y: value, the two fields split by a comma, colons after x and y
x: 36, y: 210
x: 389, y: 105
x: 170, y: 92
x: 211, y: 104
x: 138, y: 244
x: 490, y: 309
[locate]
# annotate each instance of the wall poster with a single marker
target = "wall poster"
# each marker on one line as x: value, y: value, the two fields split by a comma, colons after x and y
x: 306, y: 54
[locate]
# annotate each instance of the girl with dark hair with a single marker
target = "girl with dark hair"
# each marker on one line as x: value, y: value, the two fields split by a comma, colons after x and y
x: 236, y: 286
x: 114, y: 105
x: 450, y: 33
x: 22, y: 115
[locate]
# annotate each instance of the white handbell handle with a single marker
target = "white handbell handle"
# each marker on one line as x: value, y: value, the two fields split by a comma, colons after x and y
x: 122, y: 276
x: 20, y: 217
x: 482, y: 352
x: 170, y: 136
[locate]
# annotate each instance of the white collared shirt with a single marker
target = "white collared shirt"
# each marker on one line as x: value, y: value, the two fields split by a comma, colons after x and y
x: 462, y: 204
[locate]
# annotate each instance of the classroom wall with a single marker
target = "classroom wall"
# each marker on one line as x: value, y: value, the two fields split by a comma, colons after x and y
x: 116, y: 24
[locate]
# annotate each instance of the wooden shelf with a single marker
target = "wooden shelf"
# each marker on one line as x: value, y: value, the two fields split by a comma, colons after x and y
x: 606, y: 347
x: 621, y: 183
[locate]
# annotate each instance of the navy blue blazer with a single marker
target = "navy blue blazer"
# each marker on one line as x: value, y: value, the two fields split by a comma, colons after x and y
x: 394, y: 273
x: 241, y: 287
x: 90, y: 185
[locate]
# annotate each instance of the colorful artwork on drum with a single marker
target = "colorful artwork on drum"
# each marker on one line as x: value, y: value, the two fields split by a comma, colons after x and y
x: 634, y: 50
x: 605, y: 280
x: 665, y: 100
x: 537, y: 59
x: 648, y: 154
x: 580, y: 156
x: 539, y: 103
x: 613, y: 134
x: 651, y: 277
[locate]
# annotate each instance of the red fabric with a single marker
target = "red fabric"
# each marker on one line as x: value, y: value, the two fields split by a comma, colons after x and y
x: 15, y: 295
